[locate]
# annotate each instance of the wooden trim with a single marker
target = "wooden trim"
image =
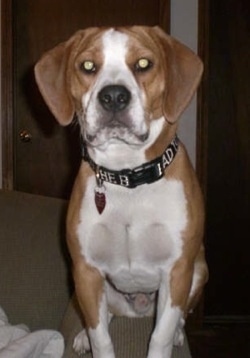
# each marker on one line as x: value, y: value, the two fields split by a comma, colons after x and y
x: 196, y: 320
x: 227, y: 320
x: 7, y: 93
x: 164, y: 15
x: 202, y: 97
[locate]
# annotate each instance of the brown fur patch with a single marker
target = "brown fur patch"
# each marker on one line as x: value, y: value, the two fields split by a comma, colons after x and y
x: 88, y: 280
x: 59, y: 75
x: 193, y: 252
x: 152, y: 82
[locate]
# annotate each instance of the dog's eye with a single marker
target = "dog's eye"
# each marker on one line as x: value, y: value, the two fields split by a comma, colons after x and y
x: 143, y: 64
x: 88, y: 66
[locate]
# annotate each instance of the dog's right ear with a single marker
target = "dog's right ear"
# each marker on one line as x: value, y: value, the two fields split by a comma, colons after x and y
x: 52, y: 74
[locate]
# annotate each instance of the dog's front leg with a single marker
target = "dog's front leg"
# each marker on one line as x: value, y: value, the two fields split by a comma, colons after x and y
x: 91, y: 295
x: 162, y: 339
x: 172, y: 298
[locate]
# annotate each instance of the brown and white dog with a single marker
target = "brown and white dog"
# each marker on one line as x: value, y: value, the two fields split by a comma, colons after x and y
x: 135, y: 221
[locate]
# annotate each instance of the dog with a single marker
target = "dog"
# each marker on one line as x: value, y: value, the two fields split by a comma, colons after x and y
x: 136, y: 216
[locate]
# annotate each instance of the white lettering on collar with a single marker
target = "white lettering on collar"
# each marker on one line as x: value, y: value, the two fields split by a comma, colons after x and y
x: 124, y: 180
x: 108, y: 177
x: 167, y: 157
x: 159, y: 169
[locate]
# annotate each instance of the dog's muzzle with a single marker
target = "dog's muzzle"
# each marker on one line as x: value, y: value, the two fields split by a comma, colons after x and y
x: 115, y: 118
x: 114, y: 98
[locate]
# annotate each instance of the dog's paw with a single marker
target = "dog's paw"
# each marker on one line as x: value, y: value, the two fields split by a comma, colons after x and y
x: 179, y: 338
x: 81, y: 343
x: 179, y: 335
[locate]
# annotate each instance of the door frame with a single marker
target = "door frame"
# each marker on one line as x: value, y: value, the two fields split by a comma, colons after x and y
x: 197, y: 318
x: 202, y: 95
x: 7, y: 95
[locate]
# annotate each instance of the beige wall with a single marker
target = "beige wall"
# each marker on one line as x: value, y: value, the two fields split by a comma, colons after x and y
x: 183, y: 27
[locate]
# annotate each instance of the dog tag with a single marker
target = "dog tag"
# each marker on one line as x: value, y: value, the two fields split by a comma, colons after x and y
x: 100, y: 199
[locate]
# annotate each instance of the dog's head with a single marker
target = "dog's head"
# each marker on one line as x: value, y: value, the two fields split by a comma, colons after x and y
x: 118, y: 81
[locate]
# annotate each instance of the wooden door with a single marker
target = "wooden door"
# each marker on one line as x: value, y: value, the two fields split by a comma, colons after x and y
x: 227, y: 231
x: 43, y: 157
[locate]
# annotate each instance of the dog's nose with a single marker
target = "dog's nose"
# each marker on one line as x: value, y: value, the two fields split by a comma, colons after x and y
x: 114, y: 98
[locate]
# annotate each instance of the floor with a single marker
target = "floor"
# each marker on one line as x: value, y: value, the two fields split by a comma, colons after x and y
x: 231, y: 341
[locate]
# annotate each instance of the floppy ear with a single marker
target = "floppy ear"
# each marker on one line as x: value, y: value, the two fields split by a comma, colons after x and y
x: 52, y: 74
x: 183, y: 70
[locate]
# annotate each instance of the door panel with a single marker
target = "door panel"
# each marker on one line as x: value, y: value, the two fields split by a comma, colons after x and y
x: 47, y: 156
x: 227, y: 229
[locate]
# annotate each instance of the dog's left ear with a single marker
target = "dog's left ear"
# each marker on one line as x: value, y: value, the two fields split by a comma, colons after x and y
x: 183, y: 73
x: 52, y: 74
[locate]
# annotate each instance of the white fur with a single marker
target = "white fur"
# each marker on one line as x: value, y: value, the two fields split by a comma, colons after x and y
x: 161, y: 343
x: 135, y: 243
x: 135, y: 226
x: 114, y: 71
x: 81, y: 342
x: 119, y: 155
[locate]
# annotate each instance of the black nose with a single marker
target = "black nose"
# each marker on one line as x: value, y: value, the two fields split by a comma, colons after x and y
x: 114, y: 98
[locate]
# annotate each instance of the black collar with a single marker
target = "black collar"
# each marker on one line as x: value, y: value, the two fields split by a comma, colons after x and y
x: 130, y: 178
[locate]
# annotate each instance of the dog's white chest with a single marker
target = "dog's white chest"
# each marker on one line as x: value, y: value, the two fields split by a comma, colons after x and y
x: 138, y: 233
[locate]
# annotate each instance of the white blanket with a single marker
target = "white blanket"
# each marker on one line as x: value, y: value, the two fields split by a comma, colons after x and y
x: 18, y: 342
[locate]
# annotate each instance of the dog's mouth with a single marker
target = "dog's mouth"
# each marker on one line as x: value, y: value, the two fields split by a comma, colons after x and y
x: 116, y: 133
